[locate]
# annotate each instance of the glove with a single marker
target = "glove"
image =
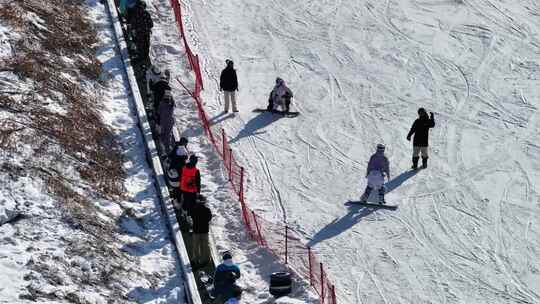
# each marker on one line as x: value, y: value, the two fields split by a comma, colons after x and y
x: 431, y: 114
x: 408, y: 138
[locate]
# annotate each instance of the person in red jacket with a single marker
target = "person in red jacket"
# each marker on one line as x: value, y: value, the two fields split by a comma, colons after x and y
x: 190, y: 184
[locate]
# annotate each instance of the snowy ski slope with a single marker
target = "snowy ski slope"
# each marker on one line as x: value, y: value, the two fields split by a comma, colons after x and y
x: 467, y: 229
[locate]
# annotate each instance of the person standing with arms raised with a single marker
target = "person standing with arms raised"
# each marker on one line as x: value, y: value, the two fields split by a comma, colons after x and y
x: 420, y: 130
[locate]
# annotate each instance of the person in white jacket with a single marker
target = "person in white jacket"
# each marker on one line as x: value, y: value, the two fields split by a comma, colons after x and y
x: 281, y: 95
x: 378, y: 167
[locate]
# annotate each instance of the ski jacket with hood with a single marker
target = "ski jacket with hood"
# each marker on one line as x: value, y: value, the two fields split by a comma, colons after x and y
x: 378, y: 162
x: 280, y: 91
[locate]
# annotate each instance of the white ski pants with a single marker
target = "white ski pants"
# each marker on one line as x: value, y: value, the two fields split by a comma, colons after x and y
x: 375, y: 179
x: 229, y: 97
x: 420, y: 150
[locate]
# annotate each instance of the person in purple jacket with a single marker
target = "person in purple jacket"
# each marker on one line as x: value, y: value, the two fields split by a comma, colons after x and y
x: 378, y: 167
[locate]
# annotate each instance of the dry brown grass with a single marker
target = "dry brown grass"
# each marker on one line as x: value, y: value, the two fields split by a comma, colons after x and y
x: 80, y: 132
x: 74, y: 137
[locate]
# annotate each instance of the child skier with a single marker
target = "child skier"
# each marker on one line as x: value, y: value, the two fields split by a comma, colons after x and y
x: 378, y: 166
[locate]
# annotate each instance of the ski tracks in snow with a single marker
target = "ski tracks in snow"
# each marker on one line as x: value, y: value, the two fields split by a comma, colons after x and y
x: 466, y: 228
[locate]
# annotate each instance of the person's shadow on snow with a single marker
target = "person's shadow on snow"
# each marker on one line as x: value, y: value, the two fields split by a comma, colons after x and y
x: 258, y: 122
x: 400, y: 179
x: 219, y: 118
x: 337, y: 226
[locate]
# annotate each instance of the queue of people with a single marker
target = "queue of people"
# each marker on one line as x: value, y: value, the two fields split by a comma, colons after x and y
x: 183, y: 175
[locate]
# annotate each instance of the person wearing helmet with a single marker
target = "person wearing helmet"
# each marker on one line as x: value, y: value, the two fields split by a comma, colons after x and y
x: 420, y: 129
x: 281, y: 95
x: 228, y: 83
x: 377, y: 168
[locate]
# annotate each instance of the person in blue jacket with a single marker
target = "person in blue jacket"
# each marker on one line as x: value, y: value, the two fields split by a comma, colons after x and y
x: 225, y: 278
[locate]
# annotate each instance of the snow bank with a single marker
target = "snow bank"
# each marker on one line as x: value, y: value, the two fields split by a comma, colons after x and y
x: 8, y: 210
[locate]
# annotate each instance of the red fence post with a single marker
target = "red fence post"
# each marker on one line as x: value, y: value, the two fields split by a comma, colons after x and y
x: 334, y: 295
x: 241, y: 188
x: 258, y: 229
x: 322, y: 283
x: 223, y: 140
x: 286, y: 243
x: 310, y: 266
x: 230, y: 165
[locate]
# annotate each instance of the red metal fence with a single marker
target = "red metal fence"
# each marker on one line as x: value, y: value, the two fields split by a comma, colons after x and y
x: 278, y: 238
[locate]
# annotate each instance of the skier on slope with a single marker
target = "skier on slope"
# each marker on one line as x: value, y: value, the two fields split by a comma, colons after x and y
x: 281, y: 95
x: 420, y: 129
x: 228, y: 83
x: 378, y: 166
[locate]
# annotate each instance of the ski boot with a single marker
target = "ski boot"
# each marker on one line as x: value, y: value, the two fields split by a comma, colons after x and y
x: 381, y: 196
x: 365, y: 196
x: 415, y: 162
x: 424, y: 162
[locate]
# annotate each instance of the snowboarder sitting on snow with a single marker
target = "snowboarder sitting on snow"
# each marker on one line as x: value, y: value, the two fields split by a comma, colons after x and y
x: 378, y: 166
x: 281, y: 95
x: 420, y: 129
x: 225, y: 278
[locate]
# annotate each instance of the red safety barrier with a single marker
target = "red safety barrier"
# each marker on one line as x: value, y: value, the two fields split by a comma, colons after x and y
x: 278, y: 238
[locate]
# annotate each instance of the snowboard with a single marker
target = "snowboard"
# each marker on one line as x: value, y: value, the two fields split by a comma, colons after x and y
x: 287, y: 114
x: 373, y: 205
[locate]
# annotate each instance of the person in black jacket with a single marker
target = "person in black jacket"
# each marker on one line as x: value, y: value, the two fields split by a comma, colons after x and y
x: 420, y: 129
x: 228, y: 83
x: 201, y: 216
x: 142, y: 24
x: 160, y: 88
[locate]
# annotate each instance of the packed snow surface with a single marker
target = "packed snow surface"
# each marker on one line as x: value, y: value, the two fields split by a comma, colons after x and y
x: 467, y: 229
